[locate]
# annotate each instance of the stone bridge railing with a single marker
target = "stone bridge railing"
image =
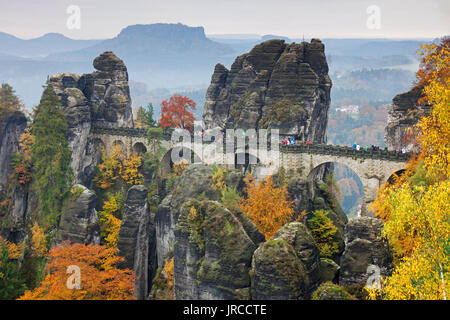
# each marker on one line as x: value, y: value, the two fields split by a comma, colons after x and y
x: 344, y: 151
x: 324, y: 149
x: 128, y: 132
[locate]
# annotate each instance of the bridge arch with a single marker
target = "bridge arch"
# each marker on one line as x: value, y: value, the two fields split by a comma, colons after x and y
x: 392, y: 178
x: 139, y: 148
x: 250, y: 161
x: 350, y: 192
x: 120, y: 144
x: 184, y: 153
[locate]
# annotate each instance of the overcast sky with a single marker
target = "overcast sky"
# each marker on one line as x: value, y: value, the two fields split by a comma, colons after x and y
x: 293, y: 18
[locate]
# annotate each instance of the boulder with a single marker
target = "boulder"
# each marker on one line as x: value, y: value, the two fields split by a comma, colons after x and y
x: 286, y: 266
x: 136, y: 238
x: 212, y: 253
x: 79, y: 219
x: 331, y: 291
x: 329, y: 270
x: 364, y: 249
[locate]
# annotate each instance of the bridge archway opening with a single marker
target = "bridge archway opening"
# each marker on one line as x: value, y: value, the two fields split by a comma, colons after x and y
x: 119, y: 144
x: 184, y: 154
x: 339, y: 180
x: 394, y: 176
x: 139, y: 148
x: 250, y: 162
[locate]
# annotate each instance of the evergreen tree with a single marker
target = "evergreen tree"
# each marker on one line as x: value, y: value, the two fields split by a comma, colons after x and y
x: 145, y: 116
x: 8, y: 98
x: 51, y: 156
x: 11, y: 285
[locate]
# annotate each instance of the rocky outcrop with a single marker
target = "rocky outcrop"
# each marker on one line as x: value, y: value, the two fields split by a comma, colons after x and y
x: 12, y: 216
x: 404, y: 112
x: 365, y: 250
x: 195, y: 182
x: 12, y: 125
x: 101, y: 98
x: 329, y: 270
x: 275, y: 85
x: 287, y: 266
x: 331, y: 291
x: 79, y: 219
x: 136, y: 238
x: 212, y: 253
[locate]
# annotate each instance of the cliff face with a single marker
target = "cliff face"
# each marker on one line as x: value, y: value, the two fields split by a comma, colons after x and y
x: 101, y: 98
x: 404, y: 113
x: 12, y: 125
x: 275, y: 85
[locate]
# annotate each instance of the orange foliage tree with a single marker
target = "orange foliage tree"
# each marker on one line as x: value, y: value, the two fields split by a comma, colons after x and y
x: 100, y: 277
x: 176, y: 113
x: 267, y: 206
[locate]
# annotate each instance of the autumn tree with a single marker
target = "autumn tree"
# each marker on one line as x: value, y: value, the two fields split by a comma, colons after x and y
x: 110, y: 169
x: 51, y: 155
x: 416, y: 208
x: 100, y: 275
x: 110, y: 220
x: 177, y: 113
x: 324, y: 231
x: 130, y: 170
x: 267, y: 206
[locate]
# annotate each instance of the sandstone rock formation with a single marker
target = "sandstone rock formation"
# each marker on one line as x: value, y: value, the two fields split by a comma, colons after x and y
x: 364, y: 247
x: 275, y: 85
x: 287, y: 266
x: 195, y: 182
x: 79, y: 219
x: 101, y: 98
x: 12, y: 125
x: 404, y: 113
x: 212, y: 253
x: 137, y: 239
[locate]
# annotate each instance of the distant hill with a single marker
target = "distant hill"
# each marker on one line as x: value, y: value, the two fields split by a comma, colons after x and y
x: 41, y: 46
x: 174, y: 56
x: 161, y: 55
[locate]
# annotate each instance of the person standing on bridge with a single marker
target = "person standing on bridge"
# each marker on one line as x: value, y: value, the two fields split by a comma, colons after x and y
x: 358, y: 147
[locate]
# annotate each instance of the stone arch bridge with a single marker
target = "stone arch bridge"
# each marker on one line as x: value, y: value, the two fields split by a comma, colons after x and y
x: 373, y: 168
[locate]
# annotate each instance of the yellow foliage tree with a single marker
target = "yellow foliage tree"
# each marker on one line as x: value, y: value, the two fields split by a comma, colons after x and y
x: 267, y: 206
x: 169, y: 276
x: 110, y: 169
x: 38, y: 240
x: 130, y: 170
x: 434, y: 130
x: 416, y: 208
x: 109, y: 221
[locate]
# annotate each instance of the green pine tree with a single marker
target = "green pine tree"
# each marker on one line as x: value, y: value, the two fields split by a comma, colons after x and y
x: 145, y: 116
x: 51, y: 157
